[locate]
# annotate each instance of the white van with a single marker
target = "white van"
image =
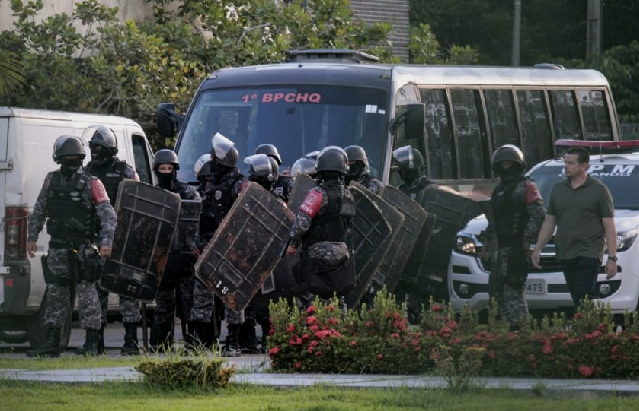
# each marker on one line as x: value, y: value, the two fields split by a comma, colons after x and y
x: 26, y: 148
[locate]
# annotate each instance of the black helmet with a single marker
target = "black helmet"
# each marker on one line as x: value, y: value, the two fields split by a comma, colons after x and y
x: 224, y: 151
x: 355, y: 153
x: 101, y: 136
x: 263, y: 167
x: 509, y: 152
x: 332, y: 158
x: 270, y: 150
x: 166, y: 156
x: 305, y: 166
x: 313, y: 155
x: 408, y: 158
x: 202, y: 166
x: 68, y: 145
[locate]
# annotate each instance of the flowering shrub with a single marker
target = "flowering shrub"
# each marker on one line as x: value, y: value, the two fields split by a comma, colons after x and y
x: 454, y: 345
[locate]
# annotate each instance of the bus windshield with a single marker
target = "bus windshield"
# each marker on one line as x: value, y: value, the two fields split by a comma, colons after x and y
x: 296, y: 119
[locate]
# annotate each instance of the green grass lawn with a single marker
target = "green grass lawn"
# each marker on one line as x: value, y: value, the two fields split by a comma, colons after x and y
x: 17, y: 396
x: 67, y: 363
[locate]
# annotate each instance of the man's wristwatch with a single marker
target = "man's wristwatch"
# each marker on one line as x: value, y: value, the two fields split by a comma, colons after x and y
x: 613, y: 258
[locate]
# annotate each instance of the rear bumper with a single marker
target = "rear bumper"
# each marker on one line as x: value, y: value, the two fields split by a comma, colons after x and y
x: 14, y: 288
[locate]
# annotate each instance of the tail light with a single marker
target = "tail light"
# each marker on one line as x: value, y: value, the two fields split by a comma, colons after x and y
x: 15, y: 233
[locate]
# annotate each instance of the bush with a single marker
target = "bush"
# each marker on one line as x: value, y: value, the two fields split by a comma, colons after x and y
x: 454, y: 345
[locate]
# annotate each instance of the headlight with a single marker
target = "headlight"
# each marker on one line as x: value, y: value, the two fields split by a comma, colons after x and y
x: 465, y: 245
x: 626, y: 239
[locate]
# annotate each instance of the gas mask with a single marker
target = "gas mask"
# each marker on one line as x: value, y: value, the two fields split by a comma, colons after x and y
x: 165, y: 180
x: 69, y: 166
x: 99, y: 155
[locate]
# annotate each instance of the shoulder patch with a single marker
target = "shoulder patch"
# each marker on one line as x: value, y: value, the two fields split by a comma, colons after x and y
x: 532, y: 193
x: 313, y: 203
x: 99, y: 194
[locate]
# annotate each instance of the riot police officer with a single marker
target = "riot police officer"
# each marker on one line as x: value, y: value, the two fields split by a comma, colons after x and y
x: 305, y: 166
x: 178, y: 274
x: 410, y: 167
x: 69, y: 202
x: 322, y: 227
x: 517, y: 216
x: 359, y: 169
x: 282, y: 184
x: 222, y: 189
x: 106, y: 166
x: 264, y: 170
x: 202, y: 170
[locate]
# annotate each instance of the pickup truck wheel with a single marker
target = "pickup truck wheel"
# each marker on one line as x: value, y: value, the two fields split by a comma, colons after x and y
x: 36, y: 329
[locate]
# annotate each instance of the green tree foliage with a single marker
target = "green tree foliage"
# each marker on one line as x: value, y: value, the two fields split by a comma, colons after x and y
x: 127, y: 68
x: 425, y: 49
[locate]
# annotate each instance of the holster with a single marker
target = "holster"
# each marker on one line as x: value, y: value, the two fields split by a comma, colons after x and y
x: 49, y: 278
x: 89, y: 264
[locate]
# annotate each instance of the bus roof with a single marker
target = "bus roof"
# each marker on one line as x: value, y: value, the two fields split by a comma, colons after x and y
x: 378, y: 75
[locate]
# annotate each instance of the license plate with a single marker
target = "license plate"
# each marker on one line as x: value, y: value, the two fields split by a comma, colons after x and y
x: 535, y: 287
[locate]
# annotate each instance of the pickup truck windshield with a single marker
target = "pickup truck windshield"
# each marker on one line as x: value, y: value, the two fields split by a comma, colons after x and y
x: 621, y: 180
x: 296, y: 119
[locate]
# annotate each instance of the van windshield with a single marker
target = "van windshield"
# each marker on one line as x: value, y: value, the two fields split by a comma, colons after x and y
x: 296, y: 119
x: 621, y: 179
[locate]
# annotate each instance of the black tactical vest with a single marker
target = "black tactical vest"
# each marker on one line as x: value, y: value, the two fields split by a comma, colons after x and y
x: 70, y: 211
x: 217, y: 201
x: 282, y: 187
x: 333, y: 224
x: 111, y: 176
x: 509, y: 208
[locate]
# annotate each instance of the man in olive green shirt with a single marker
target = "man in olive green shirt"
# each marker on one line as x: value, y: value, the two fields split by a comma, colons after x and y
x: 581, y: 208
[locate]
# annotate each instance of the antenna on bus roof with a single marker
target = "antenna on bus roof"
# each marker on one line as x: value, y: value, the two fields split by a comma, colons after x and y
x: 330, y: 55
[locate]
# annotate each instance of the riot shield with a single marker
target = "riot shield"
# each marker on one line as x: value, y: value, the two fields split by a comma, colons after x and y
x: 396, y: 258
x: 370, y: 231
x: 246, y: 247
x: 453, y: 212
x: 147, y: 218
x: 303, y: 184
x: 373, y: 257
x: 185, y: 238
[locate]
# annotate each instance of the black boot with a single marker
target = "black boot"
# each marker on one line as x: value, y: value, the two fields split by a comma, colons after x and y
x: 92, y: 343
x: 231, y: 345
x: 161, y: 337
x: 248, y: 338
x: 130, y: 346
x: 51, y: 346
x: 81, y: 350
x: 266, y: 329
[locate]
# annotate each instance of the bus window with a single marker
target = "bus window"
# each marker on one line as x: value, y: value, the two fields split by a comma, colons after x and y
x: 565, y: 115
x: 502, y: 118
x: 440, y: 142
x: 467, y: 113
x: 535, y: 126
x: 595, y: 113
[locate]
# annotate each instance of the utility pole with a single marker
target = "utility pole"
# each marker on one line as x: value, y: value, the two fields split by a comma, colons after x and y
x: 593, y: 47
x: 516, y: 33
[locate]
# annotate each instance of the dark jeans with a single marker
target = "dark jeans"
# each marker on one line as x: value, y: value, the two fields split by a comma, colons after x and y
x: 581, y: 277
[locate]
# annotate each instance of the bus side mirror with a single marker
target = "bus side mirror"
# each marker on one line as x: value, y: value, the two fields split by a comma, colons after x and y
x: 412, y: 116
x: 168, y: 120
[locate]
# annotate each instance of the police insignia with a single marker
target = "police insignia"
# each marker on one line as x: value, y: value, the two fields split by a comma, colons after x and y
x: 218, y: 194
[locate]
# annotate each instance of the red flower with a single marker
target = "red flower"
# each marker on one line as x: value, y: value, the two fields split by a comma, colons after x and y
x: 271, y: 332
x: 531, y: 358
x: 388, y: 315
x: 290, y: 328
x: 333, y: 321
x: 295, y: 341
x: 569, y: 367
x: 314, y: 343
x: 436, y: 308
x: 615, y: 349
x: 451, y: 324
x: 297, y: 365
x: 353, y: 343
x: 380, y: 356
x: 313, y: 328
x: 586, y: 370
x: 318, y: 353
x: 547, y: 348
x: 415, y: 343
x: 404, y: 345
x: 369, y: 323
x: 418, y: 335
x: 306, y: 336
x: 310, y: 309
x: 576, y: 316
x: 336, y: 334
x: 273, y: 351
x: 453, y: 341
x: 323, y: 334
x: 418, y: 348
x: 394, y: 335
x: 330, y: 308
x: 311, y: 319
x: 310, y: 350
